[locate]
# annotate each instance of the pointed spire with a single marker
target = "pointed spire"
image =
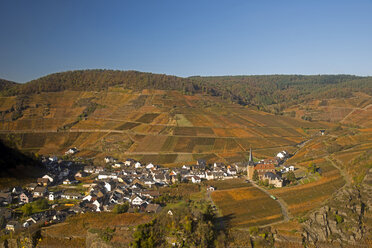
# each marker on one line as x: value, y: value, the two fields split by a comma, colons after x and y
x: 250, y: 155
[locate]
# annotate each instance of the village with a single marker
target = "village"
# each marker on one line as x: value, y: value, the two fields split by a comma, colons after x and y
x: 71, y: 187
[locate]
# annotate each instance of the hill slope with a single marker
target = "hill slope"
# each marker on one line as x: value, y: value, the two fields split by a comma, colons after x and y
x: 173, y: 120
x: 5, y: 84
x: 160, y: 126
x: 16, y: 168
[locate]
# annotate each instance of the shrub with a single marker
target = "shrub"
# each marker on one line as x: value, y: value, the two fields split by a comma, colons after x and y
x: 339, y: 219
x: 121, y: 208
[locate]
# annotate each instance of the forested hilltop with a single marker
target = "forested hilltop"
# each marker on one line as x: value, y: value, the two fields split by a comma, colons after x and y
x: 276, y: 91
x: 5, y: 84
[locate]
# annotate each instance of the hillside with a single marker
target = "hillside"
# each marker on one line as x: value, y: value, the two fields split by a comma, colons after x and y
x: 172, y: 120
x: 17, y: 168
x: 160, y: 126
x: 271, y: 93
x: 5, y: 84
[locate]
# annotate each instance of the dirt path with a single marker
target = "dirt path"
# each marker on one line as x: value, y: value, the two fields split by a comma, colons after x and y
x: 354, y: 109
x: 344, y: 175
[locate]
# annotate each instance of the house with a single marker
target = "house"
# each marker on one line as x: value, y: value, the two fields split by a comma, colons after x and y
x: 89, y: 169
x: 25, y: 197
x: 109, y: 159
x: 273, y: 179
x: 288, y: 168
x: 263, y: 168
x: 149, y: 182
x: 31, y: 186
x: 117, y: 165
x: 107, y: 175
x: 71, y: 151
x: 12, y: 225
x: 67, y: 181
x: 282, y: 155
x: 97, y: 204
x: 160, y: 178
x: 50, y: 178
x: 128, y: 162
x: 150, y: 166
x: 209, y: 175
x: 80, y: 174
x: 61, y: 216
x: 195, y: 179
x: 99, y: 169
x: 30, y: 221
x: 137, y: 165
x: 153, y: 208
x: 136, y: 200
x: 54, y: 195
x: 218, y: 175
x: 43, y: 181
x: 53, y: 159
x: 76, y: 209
x: 17, y: 190
x: 88, y: 198
x: 107, y: 186
x: 71, y: 195
x: 150, y: 194
x: 231, y: 171
x: 322, y: 132
x: 274, y: 161
x: 211, y: 188
x: 170, y: 212
x: 39, y: 191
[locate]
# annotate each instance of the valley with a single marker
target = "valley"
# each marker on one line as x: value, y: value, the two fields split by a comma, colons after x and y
x: 327, y: 136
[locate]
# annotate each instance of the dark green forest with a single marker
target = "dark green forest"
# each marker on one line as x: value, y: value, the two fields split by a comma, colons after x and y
x: 261, y: 91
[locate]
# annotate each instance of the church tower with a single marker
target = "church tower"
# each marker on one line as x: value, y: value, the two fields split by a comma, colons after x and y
x: 250, y: 166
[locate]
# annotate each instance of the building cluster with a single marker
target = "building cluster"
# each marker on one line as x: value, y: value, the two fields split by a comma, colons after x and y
x: 133, y: 182
x: 129, y: 183
x: 266, y: 169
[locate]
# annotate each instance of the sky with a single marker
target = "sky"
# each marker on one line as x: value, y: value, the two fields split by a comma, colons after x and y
x: 186, y: 38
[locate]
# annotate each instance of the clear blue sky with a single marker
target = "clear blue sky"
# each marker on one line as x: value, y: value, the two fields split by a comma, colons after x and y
x: 185, y: 38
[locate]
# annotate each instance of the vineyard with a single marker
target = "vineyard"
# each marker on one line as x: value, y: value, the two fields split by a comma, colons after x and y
x: 166, y: 127
x: 246, y: 207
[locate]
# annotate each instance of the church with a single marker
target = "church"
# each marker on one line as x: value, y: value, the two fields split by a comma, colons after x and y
x: 264, y: 171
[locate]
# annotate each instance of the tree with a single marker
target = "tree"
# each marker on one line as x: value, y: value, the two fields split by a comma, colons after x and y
x: 255, y: 175
x: 311, y: 168
x: 2, y: 222
x: 291, y: 177
x: 42, y: 204
x: 27, y: 209
x: 179, y: 177
x: 121, y: 208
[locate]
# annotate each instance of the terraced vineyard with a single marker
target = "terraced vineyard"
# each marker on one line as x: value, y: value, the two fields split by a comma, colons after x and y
x: 163, y: 127
x: 246, y: 206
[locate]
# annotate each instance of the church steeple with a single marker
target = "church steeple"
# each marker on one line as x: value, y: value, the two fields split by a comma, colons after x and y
x: 250, y: 166
x: 250, y: 155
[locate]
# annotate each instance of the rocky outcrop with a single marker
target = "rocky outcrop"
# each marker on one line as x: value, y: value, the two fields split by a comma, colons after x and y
x: 342, y: 221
